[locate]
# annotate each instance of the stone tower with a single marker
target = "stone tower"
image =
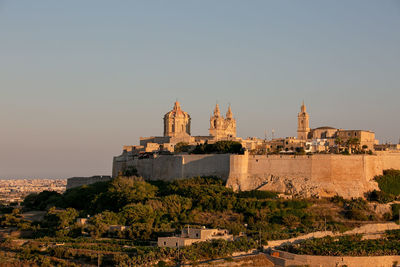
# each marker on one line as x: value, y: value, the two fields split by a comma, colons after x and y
x: 303, y: 123
x: 177, y: 122
x: 221, y: 127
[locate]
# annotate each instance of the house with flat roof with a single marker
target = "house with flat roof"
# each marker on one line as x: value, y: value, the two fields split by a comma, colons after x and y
x: 189, y: 236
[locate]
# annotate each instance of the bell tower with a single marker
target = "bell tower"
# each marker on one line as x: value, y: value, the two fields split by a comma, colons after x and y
x: 303, y: 123
x: 220, y: 127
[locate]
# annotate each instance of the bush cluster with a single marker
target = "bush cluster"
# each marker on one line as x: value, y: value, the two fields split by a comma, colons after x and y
x: 351, y: 245
x: 219, y: 147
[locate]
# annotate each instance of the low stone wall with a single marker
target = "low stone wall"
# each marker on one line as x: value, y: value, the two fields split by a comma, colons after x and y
x: 283, y: 258
x: 365, y: 229
x: 288, y: 259
x: 79, y: 181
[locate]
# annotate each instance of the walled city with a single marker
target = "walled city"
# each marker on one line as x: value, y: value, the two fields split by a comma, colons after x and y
x: 323, y: 161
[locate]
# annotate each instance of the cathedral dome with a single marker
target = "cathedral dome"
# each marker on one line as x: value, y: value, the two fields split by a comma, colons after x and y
x: 176, y: 112
x: 176, y: 122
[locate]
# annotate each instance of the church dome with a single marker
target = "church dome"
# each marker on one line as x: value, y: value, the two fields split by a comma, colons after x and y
x: 176, y: 112
x: 176, y: 122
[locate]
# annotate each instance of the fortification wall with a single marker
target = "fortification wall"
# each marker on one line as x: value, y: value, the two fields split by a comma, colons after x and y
x: 322, y: 175
x: 79, y: 181
x: 389, y: 159
x: 314, y: 175
x: 206, y: 165
x: 160, y: 168
x: 170, y: 167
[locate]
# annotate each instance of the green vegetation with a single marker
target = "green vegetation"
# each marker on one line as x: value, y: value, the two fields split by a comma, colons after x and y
x: 389, y: 182
x: 151, y: 209
x: 159, y: 208
x: 219, y: 147
x: 395, y: 211
x: 182, y: 147
x: 351, y: 245
x: 380, y: 196
x: 41, y: 201
x: 355, y: 208
x: 389, y: 185
x: 13, y: 219
x: 74, y: 252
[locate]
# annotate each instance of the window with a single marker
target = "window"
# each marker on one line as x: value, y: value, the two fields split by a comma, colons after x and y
x: 176, y: 243
x: 197, y: 235
x: 165, y: 243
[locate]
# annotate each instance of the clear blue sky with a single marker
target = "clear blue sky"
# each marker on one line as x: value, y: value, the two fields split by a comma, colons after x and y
x: 79, y: 79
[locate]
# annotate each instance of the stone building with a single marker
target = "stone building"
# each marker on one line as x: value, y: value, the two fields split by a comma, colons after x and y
x: 189, y: 236
x: 221, y: 127
x: 303, y: 123
x: 387, y: 147
x: 332, y: 137
x: 177, y: 122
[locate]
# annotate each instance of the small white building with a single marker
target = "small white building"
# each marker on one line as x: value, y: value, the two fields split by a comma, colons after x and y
x: 192, y: 235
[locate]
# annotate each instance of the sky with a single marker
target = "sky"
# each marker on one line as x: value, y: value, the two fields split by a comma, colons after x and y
x: 80, y: 79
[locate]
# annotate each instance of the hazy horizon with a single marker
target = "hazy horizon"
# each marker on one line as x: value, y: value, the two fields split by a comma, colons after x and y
x: 81, y: 79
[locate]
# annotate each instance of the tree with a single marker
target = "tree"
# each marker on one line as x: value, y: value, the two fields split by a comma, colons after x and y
x: 42, y: 200
x: 353, y: 144
x: 338, y: 142
x: 176, y: 205
x: 138, y: 213
x: 60, y: 219
x: 124, y: 190
x: 182, y: 147
x: 219, y: 147
x: 100, y: 223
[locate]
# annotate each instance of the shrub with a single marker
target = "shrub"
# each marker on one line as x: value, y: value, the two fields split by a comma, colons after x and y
x: 258, y: 194
x: 395, y: 211
x: 182, y: 147
x: 42, y: 200
x: 389, y: 182
x: 380, y: 196
x: 351, y: 245
x: 219, y: 147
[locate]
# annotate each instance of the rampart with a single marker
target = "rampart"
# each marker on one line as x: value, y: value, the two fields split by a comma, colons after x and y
x: 79, y: 181
x: 306, y: 175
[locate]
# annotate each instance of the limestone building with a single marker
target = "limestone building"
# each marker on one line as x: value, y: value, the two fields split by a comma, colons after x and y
x: 303, y: 123
x: 189, y: 236
x: 177, y: 122
x: 280, y: 164
x: 330, y: 137
x: 221, y: 127
x: 177, y: 125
